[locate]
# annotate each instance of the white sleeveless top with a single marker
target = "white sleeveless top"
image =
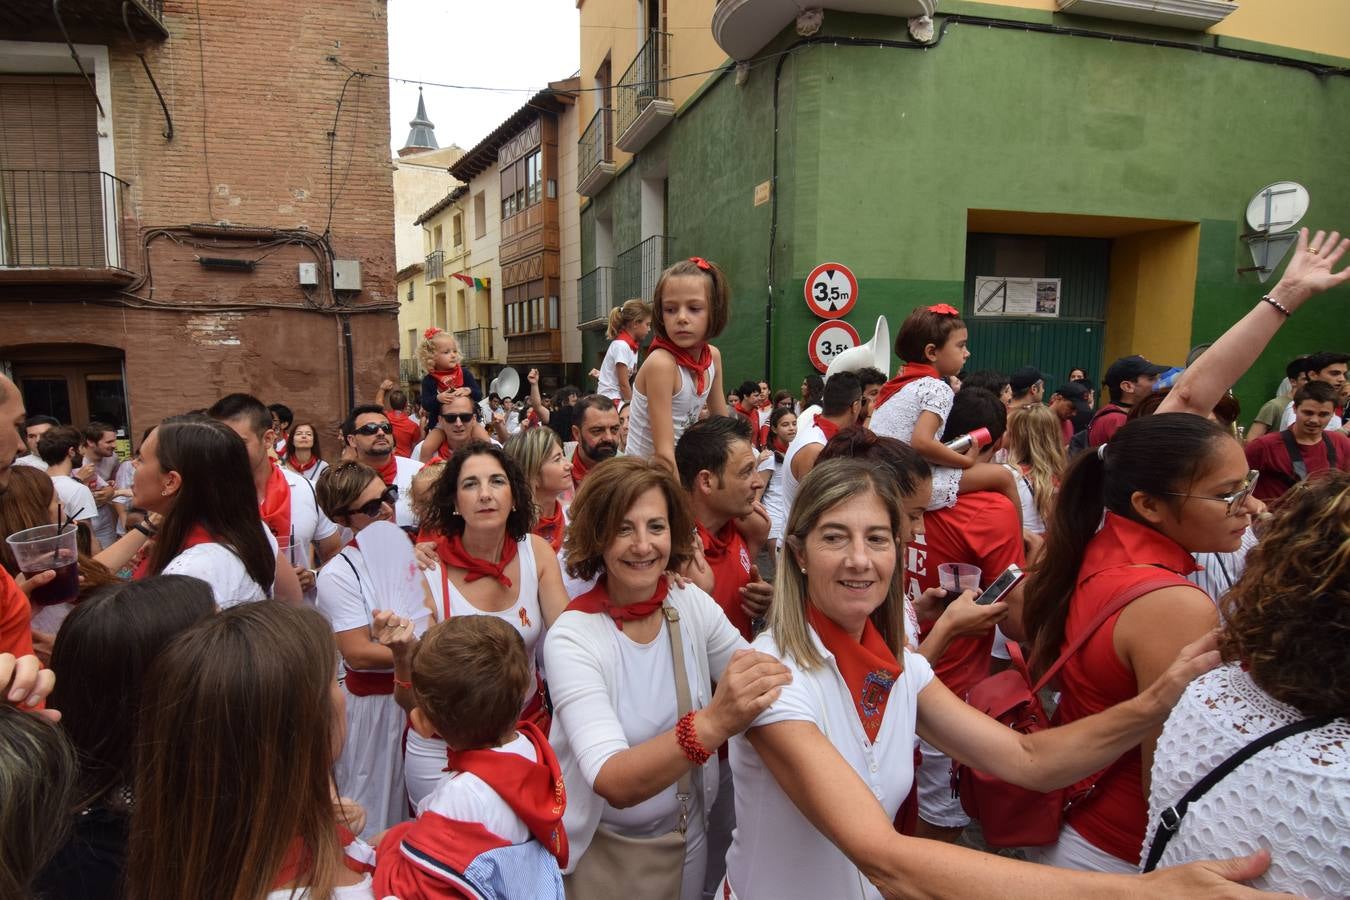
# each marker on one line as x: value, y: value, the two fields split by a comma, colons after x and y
x: 685, y: 407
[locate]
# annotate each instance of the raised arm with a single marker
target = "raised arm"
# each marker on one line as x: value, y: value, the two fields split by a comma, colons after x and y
x: 1310, y: 272
x: 537, y: 402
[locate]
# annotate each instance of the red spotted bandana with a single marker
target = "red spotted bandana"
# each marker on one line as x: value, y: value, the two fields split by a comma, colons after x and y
x: 909, y: 372
x: 533, y: 790
x: 697, y: 362
x: 868, y: 666
x: 628, y: 339
x: 276, y: 504
x: 552, y: 527
x: 597, y: 600
x: 196, y: 535
x: 449, y: 379
x: 452, y: 553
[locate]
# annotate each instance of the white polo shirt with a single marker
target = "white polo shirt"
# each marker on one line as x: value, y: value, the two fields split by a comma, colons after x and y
x: 403, y: 511
x: 806, y: 436
x: 77, y: 501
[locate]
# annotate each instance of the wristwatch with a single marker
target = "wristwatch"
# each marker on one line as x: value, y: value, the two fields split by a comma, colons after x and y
x: 145, y: 528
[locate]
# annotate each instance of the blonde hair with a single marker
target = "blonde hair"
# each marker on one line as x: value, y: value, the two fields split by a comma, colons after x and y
x: 831, y: 484
x: 1036, y: 441
x: 427, y: 349
x: 423, y: 487
x: 340, y: 485
x: 531, y: 449
x: 622, y: 317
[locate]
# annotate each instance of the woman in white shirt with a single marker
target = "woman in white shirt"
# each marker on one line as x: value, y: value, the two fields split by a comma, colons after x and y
x: 628, y: 325
x: 821, y: 773
x: 782, y: 431
x: 1283, y: 642
x: 240, y: 803
x: 195, y: 472
x: 376, y: 570
x: 303, y: 453
x: 620, y: 739
x: 490, y: 564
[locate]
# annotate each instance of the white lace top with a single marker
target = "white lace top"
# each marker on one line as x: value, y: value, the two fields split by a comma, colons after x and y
x: 897, y: 417
x: 1292, y: 798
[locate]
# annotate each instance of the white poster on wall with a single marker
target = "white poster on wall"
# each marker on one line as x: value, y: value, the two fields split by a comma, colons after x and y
x: 996, y: 295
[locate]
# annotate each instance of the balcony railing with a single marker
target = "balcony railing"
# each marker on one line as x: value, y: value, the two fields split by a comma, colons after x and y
x: 595, y: 153
x: 409, y: 371
x: 644, y: 100
x: 539, y: 347
x: 476, y: 344
x: 640, y: 266
x: 60, y: 220
x: 435, y: 266
x: 85, y: 21
x: 596, y: 292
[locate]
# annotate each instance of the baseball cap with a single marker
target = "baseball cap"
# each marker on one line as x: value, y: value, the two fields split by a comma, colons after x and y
x: 1128, y: 368
x: 1072, y: 390
x: 1024, y: 378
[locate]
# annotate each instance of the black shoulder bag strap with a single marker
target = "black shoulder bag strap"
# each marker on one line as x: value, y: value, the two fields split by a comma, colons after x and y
x: 1295, y: 455
x: 1170, y: 818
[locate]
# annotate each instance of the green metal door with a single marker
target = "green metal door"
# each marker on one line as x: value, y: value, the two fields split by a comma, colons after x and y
x: 1053, y: 345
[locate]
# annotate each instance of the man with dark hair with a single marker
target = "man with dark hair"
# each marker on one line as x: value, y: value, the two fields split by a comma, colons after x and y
x: 984, y: 530
x: 1302, y: 450
x: 395, y: 402
x: 1064, y: 403
x: 595, y: 431
x: 1028, y: 387
x: 559, y: 416
x: 747, y: 407
x: 286, y: 499
x: 1128, y: 380
x: 870, y: 379
x: 842, y: 406
x: 60, y: 450
x: 34, y: 427
x: 1327, y: 367
x: 282, y: 418
x: 990, y: 380
x: 367, y: 432
x: 99, y: 452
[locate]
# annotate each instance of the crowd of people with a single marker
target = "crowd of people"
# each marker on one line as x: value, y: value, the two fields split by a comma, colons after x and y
x: 673, y: 639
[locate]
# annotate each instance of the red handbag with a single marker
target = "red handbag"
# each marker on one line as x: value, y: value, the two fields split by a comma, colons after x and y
x: 1013, y: 816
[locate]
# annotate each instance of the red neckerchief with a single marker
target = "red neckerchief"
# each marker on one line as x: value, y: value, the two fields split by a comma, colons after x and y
x: 299, y: 862
x: 579, y: 468
x: 452, y: 553
x: 827, y: 428
x: 908, y: 372
x: 443, y: 453
x: 868, y: 666
x: 697, y: 365
x: 533, y: 790
x: 276, y: 504
x: 740, y: 408
x: 197, y: 534
x: 777, y: 445
x: 715, y: 545
x: 597, y: 600
x: 301, y: 469
x: 389, y: 471
x: 552, y: 527
x: 449, y: 379
x: 628, y: 339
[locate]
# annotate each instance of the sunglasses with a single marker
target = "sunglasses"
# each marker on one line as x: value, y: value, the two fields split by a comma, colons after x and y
x: 372, y: 509
x: 1234, y: 500
x: 374, y: 428
x: 461, y: 418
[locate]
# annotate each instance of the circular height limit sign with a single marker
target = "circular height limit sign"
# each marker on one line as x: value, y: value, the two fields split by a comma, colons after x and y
x: 830, y: 290
x: 828, y: 341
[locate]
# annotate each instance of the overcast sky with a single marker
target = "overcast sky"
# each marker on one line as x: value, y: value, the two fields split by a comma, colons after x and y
x: 492, y: 43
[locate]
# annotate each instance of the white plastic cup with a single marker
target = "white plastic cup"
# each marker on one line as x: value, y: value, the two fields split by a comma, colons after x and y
x: 956, y: 578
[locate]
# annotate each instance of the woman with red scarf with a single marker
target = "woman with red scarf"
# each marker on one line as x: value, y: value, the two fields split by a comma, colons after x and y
x: 822, y: 771
x: 544, y: 463
x: 490, y: 565
x: 303, y: 455
x: 782, y: 431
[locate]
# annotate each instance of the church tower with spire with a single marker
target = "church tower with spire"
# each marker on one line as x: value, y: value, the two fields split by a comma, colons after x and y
x: 422, y: 137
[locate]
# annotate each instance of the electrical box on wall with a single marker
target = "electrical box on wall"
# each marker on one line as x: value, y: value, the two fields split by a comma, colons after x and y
x: 309, y: 274
x: 346, y: 275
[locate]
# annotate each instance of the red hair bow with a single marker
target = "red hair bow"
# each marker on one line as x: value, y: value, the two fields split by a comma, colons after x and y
x: 701, y: 263
x: 944, y: 309
x: 431, y: 332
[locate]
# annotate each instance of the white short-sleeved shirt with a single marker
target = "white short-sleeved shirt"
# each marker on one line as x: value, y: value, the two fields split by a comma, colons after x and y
x: 465, y: 797
x: 806, y: 437
x: 776, y: 852
x: 1287, y: 419
x: 773, y: 500
x: 346, y: 595
x: 219, y: 567
x: 33, y: 460
x: 308, y: 523
x: 897, y: 417
x: 619, y: 353
x: 76, y: 499
x: 403, y: 478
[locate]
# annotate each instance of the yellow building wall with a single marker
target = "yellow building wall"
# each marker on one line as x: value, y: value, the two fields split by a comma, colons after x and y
x: 1151, y: 296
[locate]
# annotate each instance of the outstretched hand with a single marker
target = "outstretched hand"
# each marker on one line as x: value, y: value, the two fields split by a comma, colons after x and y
x: 1311, y: 269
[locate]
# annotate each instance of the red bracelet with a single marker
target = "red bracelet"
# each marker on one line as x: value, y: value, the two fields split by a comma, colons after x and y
x: 406, y: 685
x: 689, y: 742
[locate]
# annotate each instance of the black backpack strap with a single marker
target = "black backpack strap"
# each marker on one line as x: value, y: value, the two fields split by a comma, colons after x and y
x: 1170, y: 818
x: 1331, y: 450
x: 1295, y: 455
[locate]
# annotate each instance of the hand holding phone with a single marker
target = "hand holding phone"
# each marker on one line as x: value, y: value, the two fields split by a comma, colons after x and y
x: 1001, y: 586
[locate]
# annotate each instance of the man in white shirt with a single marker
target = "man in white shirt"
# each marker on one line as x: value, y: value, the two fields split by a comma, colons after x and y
x: 842, y: 406
x: 100, y: 451
x: 59, y: 449
x: 34, y: 428
x: 367, y: 431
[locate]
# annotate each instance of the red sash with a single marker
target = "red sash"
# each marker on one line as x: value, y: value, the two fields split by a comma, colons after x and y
x: 869, y: 667
x: 552, y: 527
x: 452, y: 553
x: 697, y: 365
x: 196, y: 535
x: 449, y: 379
x: 276, y: 505
x: 909, y: 372
x: 597, y: 600
x: 369, y: 684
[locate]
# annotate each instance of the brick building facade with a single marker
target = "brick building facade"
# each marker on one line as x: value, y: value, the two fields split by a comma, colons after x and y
x: 160, y: 249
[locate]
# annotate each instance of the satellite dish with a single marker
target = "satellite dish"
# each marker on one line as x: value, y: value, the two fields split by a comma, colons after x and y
x: 1277, y: 207
x: 508, y: 383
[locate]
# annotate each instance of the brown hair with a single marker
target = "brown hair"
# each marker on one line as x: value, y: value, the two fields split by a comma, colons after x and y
x: 470, y: 675
x: 1287, y: 620
x: 443, y: 518
x: 27, y: 504
x: 315, y: 452
x: 598, y: 509
x: 719, y: 295
x: 921, y: 328
x: 621, y: 318
x: 220, y: 803
x: 37, y: 782
x: 340, y: 485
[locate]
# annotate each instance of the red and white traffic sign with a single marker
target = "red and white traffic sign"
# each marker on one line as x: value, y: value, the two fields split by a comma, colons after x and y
x: 830, y: 290
x: 829, y: 340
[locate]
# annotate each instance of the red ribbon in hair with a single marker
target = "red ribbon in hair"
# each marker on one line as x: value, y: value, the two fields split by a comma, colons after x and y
x: 452, y: 553
x: 431, y: 333
x: 597, y: 600
x: 944, y: 309
x: 909, y: 372
x: 701, y: 263
x: 697, y: 366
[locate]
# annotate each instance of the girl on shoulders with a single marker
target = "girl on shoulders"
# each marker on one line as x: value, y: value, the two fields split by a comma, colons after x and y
x: 683, y: 372
x: 628, y: 325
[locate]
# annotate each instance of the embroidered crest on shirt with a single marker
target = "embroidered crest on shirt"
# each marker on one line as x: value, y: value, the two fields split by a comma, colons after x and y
x: 875, y: 688
x: 745, y: 560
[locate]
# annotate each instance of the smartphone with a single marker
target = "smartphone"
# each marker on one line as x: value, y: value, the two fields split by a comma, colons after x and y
x: 1001, y: 586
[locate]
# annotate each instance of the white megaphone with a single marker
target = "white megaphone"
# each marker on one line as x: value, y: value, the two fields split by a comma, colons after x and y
x: 507, y: 383
x: 875, y: 353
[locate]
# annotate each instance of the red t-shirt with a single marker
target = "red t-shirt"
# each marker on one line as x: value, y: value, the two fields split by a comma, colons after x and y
x: 729, y: 558
x: 1106, y: 423
x: 1066, y: 426
x: 406, y: 433
x: 982, y: 529
x: 1269, y: 456
x: 16, y: 629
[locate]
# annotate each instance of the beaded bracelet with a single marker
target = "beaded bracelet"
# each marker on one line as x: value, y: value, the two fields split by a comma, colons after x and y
x: 1277, y: 304
x: 689, y: 742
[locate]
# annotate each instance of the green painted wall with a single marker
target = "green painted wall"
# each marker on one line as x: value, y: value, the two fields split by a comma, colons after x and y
x: 881, y: 152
